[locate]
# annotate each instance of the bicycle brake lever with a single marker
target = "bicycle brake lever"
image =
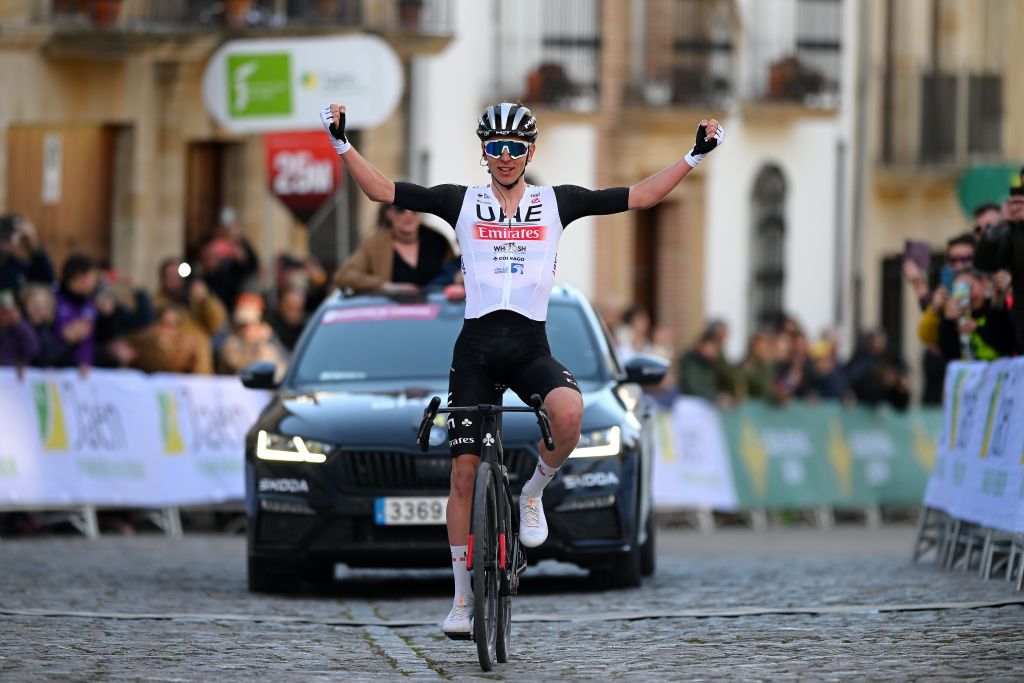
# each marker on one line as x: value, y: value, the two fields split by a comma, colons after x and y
x: 423, y: 434
x: 543, y: 421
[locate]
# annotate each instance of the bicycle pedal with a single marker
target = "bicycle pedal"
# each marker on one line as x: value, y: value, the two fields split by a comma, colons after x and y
x: 459, y: 636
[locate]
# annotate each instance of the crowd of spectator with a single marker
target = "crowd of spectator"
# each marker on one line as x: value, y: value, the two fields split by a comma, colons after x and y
x: 215, y: 318
x: 781, y: 364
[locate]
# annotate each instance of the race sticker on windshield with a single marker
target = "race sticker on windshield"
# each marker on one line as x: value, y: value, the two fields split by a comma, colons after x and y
x: 365, y: 313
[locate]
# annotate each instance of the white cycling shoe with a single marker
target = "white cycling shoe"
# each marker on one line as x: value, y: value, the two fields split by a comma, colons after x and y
x: 459, y: 623
x: 533, y: 526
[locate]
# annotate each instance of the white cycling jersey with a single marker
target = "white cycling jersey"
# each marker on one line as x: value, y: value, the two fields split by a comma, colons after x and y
x: 509, y: 262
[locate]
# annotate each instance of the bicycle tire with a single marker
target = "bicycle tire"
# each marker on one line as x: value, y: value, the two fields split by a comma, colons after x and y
x: 484, y: 530
x: 504, y: 612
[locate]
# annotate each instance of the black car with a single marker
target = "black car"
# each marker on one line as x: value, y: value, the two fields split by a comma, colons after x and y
x: 333, y: 473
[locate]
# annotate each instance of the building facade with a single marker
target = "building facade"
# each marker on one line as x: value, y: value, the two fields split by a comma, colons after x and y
x: 104, y: 99
x: 850, y: 126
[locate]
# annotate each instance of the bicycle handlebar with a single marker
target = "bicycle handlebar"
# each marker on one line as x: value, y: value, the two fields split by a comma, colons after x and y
x: 433, y: 408
x: 423, y: 434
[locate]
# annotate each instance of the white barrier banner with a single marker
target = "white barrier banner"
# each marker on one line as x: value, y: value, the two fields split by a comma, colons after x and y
x: 118, y: 437
x: 691, y: 458
x: 979, y: 466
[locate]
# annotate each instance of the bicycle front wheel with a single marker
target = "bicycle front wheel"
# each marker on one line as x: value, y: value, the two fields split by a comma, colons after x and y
x: 483, y: 530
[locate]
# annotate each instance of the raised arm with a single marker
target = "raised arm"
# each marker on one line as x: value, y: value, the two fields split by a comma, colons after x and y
x: 374, y: 184
x: 653, y: 189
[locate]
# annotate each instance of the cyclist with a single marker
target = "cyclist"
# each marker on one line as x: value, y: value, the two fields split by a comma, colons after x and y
x: 508, y: 232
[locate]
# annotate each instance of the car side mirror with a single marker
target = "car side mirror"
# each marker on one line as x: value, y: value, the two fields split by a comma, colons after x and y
x: 645, y: 369
x: 259, y: 375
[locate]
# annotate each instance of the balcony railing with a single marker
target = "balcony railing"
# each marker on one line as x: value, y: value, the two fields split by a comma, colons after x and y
x: 940, y: 118
x: 418, y: 16
x: 681, y: 53
x: 550, y: 53
x: 806, y: 68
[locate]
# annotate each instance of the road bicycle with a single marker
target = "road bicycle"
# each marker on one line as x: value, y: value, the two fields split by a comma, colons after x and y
x: 495, y: 559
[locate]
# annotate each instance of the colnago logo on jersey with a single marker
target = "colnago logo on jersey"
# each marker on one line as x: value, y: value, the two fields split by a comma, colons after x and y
x: 504, y: 233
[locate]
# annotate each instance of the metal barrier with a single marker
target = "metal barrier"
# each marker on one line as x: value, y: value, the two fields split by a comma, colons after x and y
x: 957, y: 545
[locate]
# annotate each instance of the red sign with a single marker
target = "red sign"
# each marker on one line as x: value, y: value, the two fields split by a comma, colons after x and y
x: 303, y: 170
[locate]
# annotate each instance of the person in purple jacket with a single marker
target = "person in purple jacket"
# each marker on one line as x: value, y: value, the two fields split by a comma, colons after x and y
x: 18, y: 341
x: 75, y: 319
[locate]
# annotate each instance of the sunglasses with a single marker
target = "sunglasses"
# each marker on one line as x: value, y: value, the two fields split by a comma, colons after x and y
x: 961, y: 259
x: 494, y: 148
x: 399, y: 209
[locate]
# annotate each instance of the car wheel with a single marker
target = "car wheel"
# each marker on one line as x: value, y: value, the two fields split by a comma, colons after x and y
x: 265, y: 579
x: 648, y: 551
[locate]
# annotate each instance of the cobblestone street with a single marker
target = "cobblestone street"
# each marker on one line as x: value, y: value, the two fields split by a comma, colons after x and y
x: 737, y: 604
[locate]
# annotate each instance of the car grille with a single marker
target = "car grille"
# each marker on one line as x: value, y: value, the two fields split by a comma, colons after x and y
x: 388, y: 472
x: 589, y: 524
x: 281, y: 529
x: 366, y: 531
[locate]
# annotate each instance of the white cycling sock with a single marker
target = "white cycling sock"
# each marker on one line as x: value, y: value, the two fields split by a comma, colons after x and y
x: 543, y: 474
x: 463, y: 591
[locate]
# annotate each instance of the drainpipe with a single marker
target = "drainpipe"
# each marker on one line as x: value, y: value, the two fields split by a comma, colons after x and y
x: 860, y: 160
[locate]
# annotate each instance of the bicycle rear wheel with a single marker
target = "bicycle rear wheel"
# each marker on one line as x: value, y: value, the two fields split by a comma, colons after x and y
x: 483, y: 530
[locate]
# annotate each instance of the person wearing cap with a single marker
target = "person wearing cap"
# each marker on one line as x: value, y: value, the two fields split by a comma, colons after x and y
x: 1001, y: 247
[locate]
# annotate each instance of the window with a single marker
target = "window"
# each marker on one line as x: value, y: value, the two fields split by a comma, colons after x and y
x: 768, y: 262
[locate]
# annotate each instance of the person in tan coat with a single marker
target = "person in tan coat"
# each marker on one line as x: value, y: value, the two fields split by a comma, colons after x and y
x: 403, y: 256
x: 169, y: 346
x: 251, y: 340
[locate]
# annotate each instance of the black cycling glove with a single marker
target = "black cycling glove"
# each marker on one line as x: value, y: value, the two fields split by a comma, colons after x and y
x: 335, y: 133
x: 703, y: 147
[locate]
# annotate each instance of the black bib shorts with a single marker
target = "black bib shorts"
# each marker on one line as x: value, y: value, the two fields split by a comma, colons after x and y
x: 501, y: 349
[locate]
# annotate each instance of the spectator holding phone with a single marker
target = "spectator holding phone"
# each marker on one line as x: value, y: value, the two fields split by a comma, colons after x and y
x: 959, y: 257
x: 972, y: 327
x: 1002, y: 248
x: 22, y: 259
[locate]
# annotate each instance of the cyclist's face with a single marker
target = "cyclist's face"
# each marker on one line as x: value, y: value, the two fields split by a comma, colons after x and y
x: 505, y: 168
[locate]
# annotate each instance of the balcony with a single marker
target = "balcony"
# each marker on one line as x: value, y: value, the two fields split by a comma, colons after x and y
x: 112, y: 28
x: 796, y: 56
x: 550, y: 54
x: 681, y: 54
x: 941, y: 121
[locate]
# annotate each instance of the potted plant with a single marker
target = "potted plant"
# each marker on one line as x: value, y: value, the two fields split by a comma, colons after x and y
x: 236, y: 13
x: 106, y: 12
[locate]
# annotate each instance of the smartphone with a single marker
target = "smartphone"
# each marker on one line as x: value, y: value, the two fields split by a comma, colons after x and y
x: 946, y: 278
x: 6, y: 299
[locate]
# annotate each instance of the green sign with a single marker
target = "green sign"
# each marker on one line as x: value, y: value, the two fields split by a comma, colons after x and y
x: 983, y: 184
x: 807, y: 455
x: 259, y: 85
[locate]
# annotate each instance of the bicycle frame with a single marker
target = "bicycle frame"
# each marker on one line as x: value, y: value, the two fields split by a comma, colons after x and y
x: 492, y: 644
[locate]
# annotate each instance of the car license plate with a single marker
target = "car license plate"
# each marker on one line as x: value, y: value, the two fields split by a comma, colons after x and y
x: 418, y: 510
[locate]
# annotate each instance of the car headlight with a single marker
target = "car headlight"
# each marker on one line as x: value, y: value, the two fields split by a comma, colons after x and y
x: 290, y: 448
x: 599, y: 443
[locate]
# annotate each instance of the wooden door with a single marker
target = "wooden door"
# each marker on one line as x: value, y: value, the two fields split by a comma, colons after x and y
x: 204, y: 193
x: 61, y: 178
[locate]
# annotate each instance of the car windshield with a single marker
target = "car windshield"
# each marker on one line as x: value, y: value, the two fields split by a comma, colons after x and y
x: 412, y: 342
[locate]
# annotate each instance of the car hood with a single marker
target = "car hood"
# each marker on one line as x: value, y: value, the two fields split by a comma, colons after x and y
x: 382, y: 417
